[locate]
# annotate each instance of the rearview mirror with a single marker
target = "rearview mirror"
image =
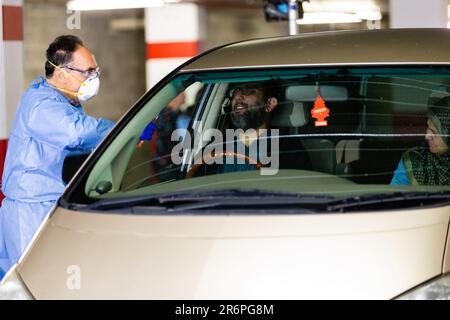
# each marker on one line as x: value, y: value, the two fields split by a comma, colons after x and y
x: 308, y: 93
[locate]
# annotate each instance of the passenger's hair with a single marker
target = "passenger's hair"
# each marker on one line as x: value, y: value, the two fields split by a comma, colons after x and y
x: 60, y: 52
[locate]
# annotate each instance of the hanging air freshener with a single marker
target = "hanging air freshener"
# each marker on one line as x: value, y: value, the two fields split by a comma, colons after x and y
x: 320, y: 110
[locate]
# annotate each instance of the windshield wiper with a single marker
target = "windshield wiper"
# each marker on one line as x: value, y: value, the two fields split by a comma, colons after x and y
x: 191, y: 200
x: 223, y: 201
x: 314, y: 203
x: 396, y: 200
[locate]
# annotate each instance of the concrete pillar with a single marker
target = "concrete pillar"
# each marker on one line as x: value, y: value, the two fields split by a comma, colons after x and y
x: 418, y: 13
x: 173, y: 34
x: 11, y: 68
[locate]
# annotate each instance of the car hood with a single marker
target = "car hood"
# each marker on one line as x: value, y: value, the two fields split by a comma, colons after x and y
x: 373, y: 255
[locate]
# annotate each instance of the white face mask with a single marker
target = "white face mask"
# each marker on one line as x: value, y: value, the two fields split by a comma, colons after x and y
x: 88, y: 89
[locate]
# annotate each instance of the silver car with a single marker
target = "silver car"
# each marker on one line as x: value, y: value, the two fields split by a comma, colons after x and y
x: 302, y: 167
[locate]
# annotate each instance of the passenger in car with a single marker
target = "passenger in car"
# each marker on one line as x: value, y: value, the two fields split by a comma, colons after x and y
x: 429, y: 164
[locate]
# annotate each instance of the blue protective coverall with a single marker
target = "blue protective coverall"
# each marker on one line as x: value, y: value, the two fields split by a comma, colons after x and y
x: 47, y: 128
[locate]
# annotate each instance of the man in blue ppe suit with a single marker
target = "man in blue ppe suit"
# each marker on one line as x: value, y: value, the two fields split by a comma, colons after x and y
x: 50, y: 124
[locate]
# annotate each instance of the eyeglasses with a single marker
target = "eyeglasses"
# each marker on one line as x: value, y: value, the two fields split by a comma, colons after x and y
x: 89, y: 73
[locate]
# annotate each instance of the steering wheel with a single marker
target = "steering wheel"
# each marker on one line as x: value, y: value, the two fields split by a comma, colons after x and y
x: 194, y: 169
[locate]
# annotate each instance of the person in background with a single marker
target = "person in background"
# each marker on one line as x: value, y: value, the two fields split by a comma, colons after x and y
x: 166, y: 123
x: 429, y: 164
x: 50, y: 124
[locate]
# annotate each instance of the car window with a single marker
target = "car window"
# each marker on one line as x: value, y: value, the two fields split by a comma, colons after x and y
x: 331, y: 130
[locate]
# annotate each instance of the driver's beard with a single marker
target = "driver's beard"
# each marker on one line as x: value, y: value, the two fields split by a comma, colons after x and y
x: 249, y: 120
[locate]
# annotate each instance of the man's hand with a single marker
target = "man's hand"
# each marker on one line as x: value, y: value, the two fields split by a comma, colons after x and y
x: 148, y: 132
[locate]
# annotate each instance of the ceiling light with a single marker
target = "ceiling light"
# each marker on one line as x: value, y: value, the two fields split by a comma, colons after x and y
x: 328, y: 17
x: 340, y: 6
x: 82, y: 5
x: 363, y: 9
x: 369, y: 15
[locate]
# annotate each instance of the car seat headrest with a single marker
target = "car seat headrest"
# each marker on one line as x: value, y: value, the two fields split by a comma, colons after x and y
x: 290, y: 114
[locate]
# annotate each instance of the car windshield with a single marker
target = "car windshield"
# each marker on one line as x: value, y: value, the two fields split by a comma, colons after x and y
x: 337, y: 131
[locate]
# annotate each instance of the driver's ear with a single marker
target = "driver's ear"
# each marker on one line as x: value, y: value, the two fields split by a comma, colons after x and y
x: 271, y: 104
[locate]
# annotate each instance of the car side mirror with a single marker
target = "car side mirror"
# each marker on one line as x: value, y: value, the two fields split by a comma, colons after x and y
x: 71, y: 165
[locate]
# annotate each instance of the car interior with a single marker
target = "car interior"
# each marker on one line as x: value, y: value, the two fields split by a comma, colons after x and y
x: 372, y: 122
x: 347, y: 147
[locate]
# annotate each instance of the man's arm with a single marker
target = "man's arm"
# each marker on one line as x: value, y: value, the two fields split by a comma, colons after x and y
x: 63, y: 126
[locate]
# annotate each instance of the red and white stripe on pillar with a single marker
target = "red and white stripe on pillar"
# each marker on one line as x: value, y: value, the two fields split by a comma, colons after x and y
x: 11, y: 68
x: 173, y: 35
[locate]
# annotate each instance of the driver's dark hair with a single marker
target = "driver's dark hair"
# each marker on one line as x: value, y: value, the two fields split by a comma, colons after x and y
x: 269, y: 88
x: 60, y: 52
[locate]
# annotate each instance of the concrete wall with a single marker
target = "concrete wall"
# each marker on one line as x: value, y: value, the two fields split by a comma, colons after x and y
x: 230, y: 25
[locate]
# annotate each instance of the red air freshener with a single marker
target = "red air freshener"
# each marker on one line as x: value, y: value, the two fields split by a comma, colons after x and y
x: 320, y: 112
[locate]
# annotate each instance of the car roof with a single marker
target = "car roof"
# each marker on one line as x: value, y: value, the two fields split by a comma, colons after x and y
x: 385, y: 46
